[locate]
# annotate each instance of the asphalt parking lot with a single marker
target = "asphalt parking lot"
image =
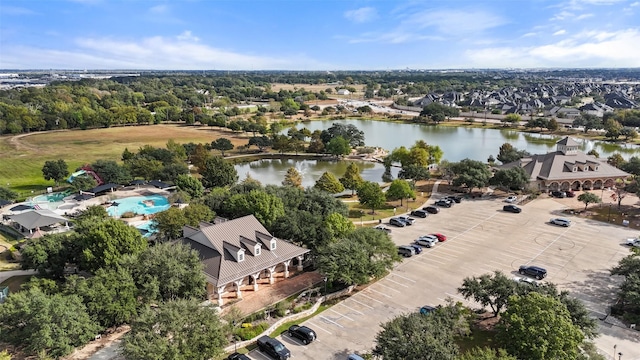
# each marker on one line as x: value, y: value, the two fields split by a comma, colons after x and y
x: 481, y: 239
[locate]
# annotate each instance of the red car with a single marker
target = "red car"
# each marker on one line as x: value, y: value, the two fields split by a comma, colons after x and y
x: 440, y: 237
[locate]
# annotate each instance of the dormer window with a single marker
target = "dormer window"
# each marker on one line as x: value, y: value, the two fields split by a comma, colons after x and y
x: 575, y: 168
x: 240, y: 255
x: 256, y: 250
x: 272, y: 246
x: 595, y: 168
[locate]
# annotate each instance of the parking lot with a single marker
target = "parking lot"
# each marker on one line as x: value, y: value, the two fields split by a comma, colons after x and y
x: 481, y: 239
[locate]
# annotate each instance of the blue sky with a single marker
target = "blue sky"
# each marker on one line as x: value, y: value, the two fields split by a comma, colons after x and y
x: 318, y: 34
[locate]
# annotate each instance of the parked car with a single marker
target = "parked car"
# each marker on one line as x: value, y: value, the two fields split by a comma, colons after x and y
x: 571, y: 194
x: 558, y: 194
x: 417, y: 248
x: 534, y: 271
x: 397, y: 222
x: 238, y: 356
x: 560, y: 222
x: 426, y: 310
x: 439, y: 236
x: 431, y: 209
x: 511, y: 208
x: 511, y: 199
x: 406, y: 251
x: 455, y: 199
x: 355, y: 357
x: 634, y: 242
x: 407, y: 220
x: 419, y: 213
x: 303, y: 333
x: 427, y: 241
x: 382, y: 228
x: 443, y: 203
x: 273, y: 347
x: 526, y: 280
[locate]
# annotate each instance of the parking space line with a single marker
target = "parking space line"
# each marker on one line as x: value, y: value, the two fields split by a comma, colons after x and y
x: 363, y: 304
x: 443, y: 258
x: 404, y: 277
x: 261, y: 354
x: 548, y: 246
x: 342, y: 315
x: 381, y: 293
x: 395, y: 282
x: 389, y: 287
x: 316, y: 326
x: 440, y: 262
x: 370, y: 298
x: 331, y: 321
x: 350, y: 308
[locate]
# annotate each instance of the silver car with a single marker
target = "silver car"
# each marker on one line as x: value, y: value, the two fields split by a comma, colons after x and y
x: 427, y: 241
x: 560, y: 222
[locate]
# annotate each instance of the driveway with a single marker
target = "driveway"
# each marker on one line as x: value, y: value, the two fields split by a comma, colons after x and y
x: 481, y: 239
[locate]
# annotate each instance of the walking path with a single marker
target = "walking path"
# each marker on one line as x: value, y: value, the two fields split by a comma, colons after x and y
x: 4, y: 275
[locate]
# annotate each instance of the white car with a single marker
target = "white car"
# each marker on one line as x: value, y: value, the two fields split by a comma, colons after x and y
x: 427, y: 241
x: 526, y: 280
x: 635, y: 242
x: 511, y: 199
x: 408, y: 220
x: 382, y: 228
x: 560, y: 222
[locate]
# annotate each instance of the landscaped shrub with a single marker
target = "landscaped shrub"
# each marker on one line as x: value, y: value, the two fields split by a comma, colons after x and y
x: 251, y: 332
x: 260, y: 315
x: 303, y: 307
x: 128, y: 214
x: 281, y: 308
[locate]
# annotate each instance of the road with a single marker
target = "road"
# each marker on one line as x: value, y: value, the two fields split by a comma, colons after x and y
x: 481, y: 239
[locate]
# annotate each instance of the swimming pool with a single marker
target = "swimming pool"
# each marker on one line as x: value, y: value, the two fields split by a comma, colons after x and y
x: 141, y: 205
x: 53, y: 197
x: 146, y: 228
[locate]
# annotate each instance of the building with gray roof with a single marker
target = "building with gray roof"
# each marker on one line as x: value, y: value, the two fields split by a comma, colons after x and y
x: 240, y: 252
x: 567, y: 168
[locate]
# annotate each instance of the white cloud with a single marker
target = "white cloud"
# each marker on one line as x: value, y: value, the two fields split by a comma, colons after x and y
x: 586, y: 49
x: 361, y: 15
x: 180, y: 52
x: 529, y: 34
x: 637, y: 3
x: 584, y: 16
x: 559, y: 32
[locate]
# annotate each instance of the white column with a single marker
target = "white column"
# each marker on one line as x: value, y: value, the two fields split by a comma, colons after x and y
x: 300, y: 258
x: 238, y: 283
x: 255, y: 281
x: 286, y: 268
x: 271, y: 270
x: 220, y: 292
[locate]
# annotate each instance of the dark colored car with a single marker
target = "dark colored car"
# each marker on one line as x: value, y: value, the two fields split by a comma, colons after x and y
x: 273, y: 348
x: 303, y: 333
x: 571, y: 194
x: 443, y: 203
x: 511, y: 208
x: 417, y: 248
x: 419, y: 213
x: 455, y: 199
x: 426, y: 310
x: 397, y: 222
x: 534, y: 271
x: 238, y: 356
x: 558, y: 194
x: 431, y: 209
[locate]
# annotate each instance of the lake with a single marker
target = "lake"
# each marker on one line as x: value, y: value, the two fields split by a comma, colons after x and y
x: 457, y: 143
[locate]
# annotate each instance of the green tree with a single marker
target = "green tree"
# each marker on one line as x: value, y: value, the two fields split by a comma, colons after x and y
x: 538, y: 327
x: 199, y: 156
x: 351, y: 179
x: 338, y: 146
x: 292, y: 178
x: 588, y: 198
x: 594, y: 153
x: 351, y: 133
x: 508, y: 153
x: 179, y: 330
x: 169, y: 223
x: 7, y: 194
x: 329, y: 183
x: 166, y: 272
x: 512, y: 119
x: 399, y: 190
x: 588, y: 122
x: 49, y: 254
x: 414, y: 172
x: 110, y: 172
x: 338, y: 225
x: 222, y: 144
x: 512, y: 178
x: 265, y: 207
x: 55, y: 170
x: 53, y: 325
x: 629, y: 295
x: 370, y: 194
x: 104, y: 242
x: 552, y: 125
x: 190, y: 185
x: 486, y: 353
x: 83, y: 183
x: 470, y: 173
x: 489, y: 290
x: 616, y: 160
x: 218, y: 173
x: 261, y: 142
x: 632, y: 166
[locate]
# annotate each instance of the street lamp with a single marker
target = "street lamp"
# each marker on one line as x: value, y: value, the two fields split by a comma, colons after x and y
x: 609, y: 215
x: 325, y: 286
x: 615, y: 346
x: 619, y: 356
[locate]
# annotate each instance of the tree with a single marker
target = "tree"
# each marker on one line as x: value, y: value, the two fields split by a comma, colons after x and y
x: 338, y: 146
x: 199, y: 156
x: 588, y: 198
x: 218, y: 173
x: 190, y: 185
x: 222, y: 144
x: 357, y: 257
x: 538, y: 327
x: 632, y: 166
x: 414, y: 172
x: 399, y: 190
x: 351, y: 133
x: 512, y: 119
x: 370, y: 194
x: 55, y: 170
x: 588, y: 121
x: 616, y: 160
x: 53, y: 325
x: 629, y: 295
x: 486, y: 353
x: 166, y: 272
x: 104, y: 242
x: 512, y: 178
x: 49, y: 254
x: 628, y: 133
x: 594, y: 153
x: 180, y: 330
x: 329, y: 183
x: 470, y: 173
x: 7, y: 194
x: 416, y: 336
x: 612, y: 128
x: 261, y: 142
x: 169, y: 223
x: 110, y: 172
x: 292, y: 178
x: 84, y: 182
x: 489, y: 290
x: 265, y: 207
x: 337, y: 225
x: 552, y: 125
x: 351, y: 178
x: 508, y: 153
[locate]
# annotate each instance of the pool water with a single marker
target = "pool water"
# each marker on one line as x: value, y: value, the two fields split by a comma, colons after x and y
x: 146, y: 228
x: 53, y: 197
x: 141, y: 205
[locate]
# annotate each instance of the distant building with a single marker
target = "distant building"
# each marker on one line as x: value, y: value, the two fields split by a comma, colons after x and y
x: 344, y: 92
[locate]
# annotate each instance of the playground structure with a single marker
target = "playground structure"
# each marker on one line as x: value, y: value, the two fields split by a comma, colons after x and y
x: 86, y: 170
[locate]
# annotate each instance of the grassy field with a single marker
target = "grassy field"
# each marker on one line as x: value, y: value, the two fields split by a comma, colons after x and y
x: 24, y: 155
